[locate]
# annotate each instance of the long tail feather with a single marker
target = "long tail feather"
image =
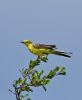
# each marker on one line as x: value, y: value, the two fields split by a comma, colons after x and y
x: 65, y: 54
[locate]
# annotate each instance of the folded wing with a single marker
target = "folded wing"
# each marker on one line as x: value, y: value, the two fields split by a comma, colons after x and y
x: 44, y: 46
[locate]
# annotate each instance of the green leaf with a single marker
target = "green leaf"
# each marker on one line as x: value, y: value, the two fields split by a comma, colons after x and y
x: 44, y: 87
x: 34, y: 76
x: 24, y: 81
x: 25, y: 72
x: 22, y: 97
x: 52, y: 73
x: 43, y: 81
x: 21, y: 71
x: 18, y: 81
x: 28, y: 89
x: 39, y: 73
x: 62, y: 71
x: 28, y: 99
x: 26, y: 95
x: 34, y: 63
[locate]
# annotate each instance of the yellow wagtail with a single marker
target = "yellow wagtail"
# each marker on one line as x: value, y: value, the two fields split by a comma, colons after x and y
x: 43, y: 50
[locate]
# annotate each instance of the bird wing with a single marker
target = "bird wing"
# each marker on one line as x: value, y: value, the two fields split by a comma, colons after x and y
x: 44, y: 46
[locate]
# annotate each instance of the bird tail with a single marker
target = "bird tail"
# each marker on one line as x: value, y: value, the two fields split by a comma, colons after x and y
x: 65, y: 54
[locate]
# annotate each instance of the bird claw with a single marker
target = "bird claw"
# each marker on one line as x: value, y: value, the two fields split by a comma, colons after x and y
x: 43, y: 58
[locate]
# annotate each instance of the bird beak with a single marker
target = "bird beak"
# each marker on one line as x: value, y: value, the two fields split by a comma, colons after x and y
x: 21, y: 42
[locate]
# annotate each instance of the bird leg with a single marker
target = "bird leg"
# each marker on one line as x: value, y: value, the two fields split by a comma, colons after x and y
x: 43, y: 58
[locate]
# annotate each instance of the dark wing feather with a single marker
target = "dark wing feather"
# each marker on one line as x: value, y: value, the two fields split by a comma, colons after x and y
x: 40, y: 46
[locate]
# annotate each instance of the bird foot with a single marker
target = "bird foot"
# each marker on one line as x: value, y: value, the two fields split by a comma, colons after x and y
x: 43, y: 58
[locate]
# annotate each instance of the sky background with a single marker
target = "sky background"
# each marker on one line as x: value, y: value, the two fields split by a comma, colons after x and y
x: 56, y: 22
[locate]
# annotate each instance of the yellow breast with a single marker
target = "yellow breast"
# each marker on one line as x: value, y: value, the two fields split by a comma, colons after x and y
x: 32, y: 49
x: 35, y: 50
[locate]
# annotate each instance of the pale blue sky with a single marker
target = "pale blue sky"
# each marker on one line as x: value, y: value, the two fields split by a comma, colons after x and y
x: 45, y: 21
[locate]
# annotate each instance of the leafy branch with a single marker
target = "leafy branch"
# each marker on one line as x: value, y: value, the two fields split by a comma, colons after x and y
x: 33, y: 78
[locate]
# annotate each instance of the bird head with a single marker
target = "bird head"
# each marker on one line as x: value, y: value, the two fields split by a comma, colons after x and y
x: 26, y: 42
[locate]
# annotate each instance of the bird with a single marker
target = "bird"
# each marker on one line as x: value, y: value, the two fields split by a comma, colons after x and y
x: 44, y: 49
